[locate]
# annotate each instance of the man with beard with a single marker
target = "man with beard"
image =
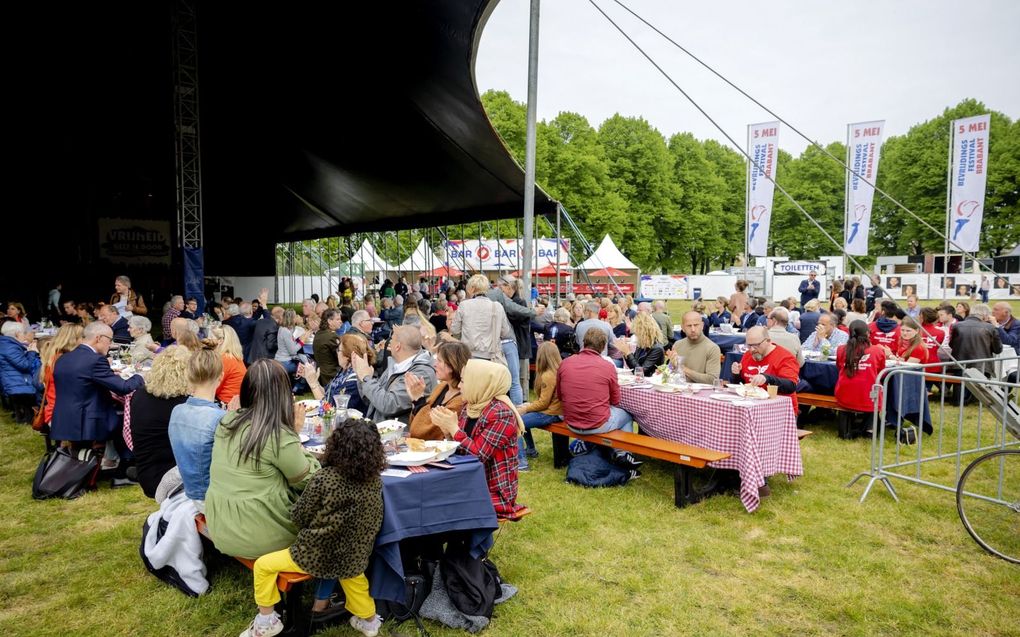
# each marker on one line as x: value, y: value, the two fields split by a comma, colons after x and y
x: 765, y: 363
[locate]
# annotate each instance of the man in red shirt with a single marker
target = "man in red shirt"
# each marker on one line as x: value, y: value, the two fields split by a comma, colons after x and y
x: 587, y: 386
x: 886, y: 329
x: 765, y: 363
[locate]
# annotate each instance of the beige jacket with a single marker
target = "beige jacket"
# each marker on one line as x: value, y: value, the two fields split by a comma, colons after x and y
x: 480, y: 324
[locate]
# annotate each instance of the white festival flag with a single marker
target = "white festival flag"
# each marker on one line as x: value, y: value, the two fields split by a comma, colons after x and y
x: 763, y: 147
x: 863, y: 150
x: 967, y: 181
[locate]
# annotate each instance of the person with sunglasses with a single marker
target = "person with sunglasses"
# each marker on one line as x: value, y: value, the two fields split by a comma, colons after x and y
x: 765, y: 363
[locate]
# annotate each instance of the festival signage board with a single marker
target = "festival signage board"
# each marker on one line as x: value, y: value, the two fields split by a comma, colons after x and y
x: 664, y: 286
x: 505, y: 254
x: 763, y: 148
x: 134, y: 241
x: 864, y: 145
x: 967, y: 181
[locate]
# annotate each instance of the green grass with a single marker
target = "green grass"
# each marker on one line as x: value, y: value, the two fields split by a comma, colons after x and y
x: 811, y: 561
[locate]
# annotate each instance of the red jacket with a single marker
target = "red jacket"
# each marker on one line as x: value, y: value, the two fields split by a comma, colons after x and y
x: 855, y: 392
x: 878, y: 337
x: 933, y: 336
x: 587, y: 386
x: 779, y: 365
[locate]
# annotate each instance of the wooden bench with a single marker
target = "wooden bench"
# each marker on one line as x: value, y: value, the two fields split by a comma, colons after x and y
x: 686, y: 457
x: 295, y: 617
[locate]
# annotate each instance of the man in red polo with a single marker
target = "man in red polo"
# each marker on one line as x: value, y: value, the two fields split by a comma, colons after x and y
x: 765, y: 363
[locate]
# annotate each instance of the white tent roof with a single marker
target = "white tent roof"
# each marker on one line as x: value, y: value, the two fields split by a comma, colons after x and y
x: 367, y: 256
x: 421, y: 260
x: 607, y: 256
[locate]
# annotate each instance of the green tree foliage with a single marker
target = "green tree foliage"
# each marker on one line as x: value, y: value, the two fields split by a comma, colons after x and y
x: 817, y: 184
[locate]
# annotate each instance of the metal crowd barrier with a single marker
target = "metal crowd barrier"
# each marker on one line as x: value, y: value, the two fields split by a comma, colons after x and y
x: 970, y: 415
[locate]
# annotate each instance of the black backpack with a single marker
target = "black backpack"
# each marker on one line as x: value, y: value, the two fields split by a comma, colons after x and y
x: 472, y: 583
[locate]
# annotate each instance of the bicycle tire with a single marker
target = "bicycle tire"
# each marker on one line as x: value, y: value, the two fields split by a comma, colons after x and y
x: 962, y: 498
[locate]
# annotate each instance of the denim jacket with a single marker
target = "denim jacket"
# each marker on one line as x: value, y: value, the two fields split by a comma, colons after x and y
x: 192, y: 427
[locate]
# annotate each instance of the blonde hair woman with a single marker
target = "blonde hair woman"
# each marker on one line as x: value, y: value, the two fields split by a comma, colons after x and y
x: 228, y: 346
x: 649, y: 353
x: 68, y: 337
x: 546, y: 408
x: 147, y: 415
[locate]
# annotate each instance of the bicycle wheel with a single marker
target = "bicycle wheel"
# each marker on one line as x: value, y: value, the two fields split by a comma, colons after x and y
x: 988, y: 501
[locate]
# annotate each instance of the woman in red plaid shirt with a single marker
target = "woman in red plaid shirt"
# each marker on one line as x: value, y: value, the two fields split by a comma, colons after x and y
x: 488, y: 427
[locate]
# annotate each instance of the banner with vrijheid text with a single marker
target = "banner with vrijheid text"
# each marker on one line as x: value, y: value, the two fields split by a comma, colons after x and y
x: 863, y: 149
x: 763, y: 147
x: 967, y: 181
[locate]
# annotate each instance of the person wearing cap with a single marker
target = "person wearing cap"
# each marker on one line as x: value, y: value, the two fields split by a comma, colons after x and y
x: 809, y: 288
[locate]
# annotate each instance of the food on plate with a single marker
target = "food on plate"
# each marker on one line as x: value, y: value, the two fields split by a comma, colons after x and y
x: 416, y: 444
x: 749, y: 391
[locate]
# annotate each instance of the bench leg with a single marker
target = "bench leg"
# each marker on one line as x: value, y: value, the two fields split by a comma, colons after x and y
x: 561, y: 451
x: 295, y: 616
x: 682, y: 486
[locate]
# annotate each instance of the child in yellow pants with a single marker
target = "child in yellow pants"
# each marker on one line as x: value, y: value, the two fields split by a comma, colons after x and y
x: 338, y: 515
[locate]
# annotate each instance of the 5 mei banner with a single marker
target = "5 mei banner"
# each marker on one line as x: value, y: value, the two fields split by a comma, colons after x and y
x: 967, y: 181
x: 763, y: 148
x: 864, y: 145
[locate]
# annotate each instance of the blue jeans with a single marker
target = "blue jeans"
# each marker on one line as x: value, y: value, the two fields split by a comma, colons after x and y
x: 531, y: 420
x: 516, y: 394
x: 618, y: 420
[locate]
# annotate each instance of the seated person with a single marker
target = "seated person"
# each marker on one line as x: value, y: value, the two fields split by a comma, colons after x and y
x: 109, y: 315
x: 589, y: 391
x: 228, y: 346
x: 825, y: 334
x: 721, y: 315
x: 450, y: 360
x: 859, y: 364
x: 193, y: 424
x: 910, y: 346
x: 755, y: 312
x: 147, y: 416
x: 778, y: 321
x: 488, y: 426
x: 387, y: 396
x: 765, y: 363
x: 19, y: 370
x: 258, y: 467
x: 808, y: 320
x: 885, y: 329
x: 325, y: 345
x: 339, y: 515
x: 561, y: 332
x: 546, y: 408
x: 699, y: 356
x: 140, y: 350
x: 649, y: 353
x: 346, y: 380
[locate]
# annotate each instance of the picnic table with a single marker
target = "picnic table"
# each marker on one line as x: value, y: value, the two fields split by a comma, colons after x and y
x: 760, y: 435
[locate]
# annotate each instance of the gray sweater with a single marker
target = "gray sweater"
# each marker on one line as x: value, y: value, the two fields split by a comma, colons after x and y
x: 287, y: 347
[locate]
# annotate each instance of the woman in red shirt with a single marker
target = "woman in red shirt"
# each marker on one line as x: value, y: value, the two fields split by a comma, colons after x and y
x: 933, y: 334
x: 910, y: 348
x: 859, y: 364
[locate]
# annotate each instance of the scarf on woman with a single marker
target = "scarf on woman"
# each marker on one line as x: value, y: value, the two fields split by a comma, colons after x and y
x: 485, y: 381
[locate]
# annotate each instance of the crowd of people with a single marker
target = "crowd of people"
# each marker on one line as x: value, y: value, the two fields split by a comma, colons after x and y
x: 215, y: 412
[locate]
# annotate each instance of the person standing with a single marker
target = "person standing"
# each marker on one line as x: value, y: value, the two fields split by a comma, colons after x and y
x: 985, y: 287
x: 809, y: 288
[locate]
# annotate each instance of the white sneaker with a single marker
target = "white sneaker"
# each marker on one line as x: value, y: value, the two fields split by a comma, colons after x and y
x: 257, y: 629
x: 367, y: 627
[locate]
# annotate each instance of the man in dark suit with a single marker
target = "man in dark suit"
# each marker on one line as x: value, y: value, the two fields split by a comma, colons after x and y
x: 809, y: 288
x: 84, y: 410
x: 975, y: 338
x: 118, y: 324
x: 263, y: 337
x: 243, y: 325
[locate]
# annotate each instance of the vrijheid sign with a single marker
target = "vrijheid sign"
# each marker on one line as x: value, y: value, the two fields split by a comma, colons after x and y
x: 134, y: 241
x: 799, y: 267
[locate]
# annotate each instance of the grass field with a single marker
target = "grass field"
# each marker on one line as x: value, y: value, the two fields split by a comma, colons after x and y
x: 811, y: 561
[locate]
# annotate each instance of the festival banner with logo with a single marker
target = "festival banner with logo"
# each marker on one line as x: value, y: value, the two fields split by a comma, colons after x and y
x: 967, y: 181
x: 134, y: 241
x: 763, y: 147
x: 864, y: 144
x: 664, y: 286
x: 505, y: 254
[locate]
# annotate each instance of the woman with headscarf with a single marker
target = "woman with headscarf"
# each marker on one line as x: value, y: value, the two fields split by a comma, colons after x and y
x: 488, y: 427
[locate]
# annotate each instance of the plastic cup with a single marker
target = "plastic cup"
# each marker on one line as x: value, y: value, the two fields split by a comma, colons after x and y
x: 773, y: 391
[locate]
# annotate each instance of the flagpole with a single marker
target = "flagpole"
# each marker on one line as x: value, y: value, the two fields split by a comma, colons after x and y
x: 949, y: 204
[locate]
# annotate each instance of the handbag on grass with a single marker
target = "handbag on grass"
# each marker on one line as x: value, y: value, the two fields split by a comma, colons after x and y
x: 65, y: 474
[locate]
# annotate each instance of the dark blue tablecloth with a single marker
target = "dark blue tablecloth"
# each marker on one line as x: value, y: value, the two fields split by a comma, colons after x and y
x: 428, y: 503
x: 724, y: 341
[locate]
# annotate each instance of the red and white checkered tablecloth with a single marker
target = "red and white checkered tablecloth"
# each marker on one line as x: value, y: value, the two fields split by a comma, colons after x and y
x: 761, y: 438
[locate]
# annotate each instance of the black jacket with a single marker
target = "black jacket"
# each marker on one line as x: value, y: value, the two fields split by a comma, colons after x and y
x: 150, y: 421
x: 972, y: 339
x: 648, y: 359
x: 263, y: 341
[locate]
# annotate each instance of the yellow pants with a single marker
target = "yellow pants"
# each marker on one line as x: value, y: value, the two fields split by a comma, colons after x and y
x: 267, y: 567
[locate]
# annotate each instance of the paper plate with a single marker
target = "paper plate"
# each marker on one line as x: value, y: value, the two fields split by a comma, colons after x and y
x: 725, y: 397
x: 411, y: 458
x: 443, y: 448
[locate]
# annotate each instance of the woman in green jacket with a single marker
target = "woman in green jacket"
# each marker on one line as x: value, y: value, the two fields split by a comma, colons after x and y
x: 258, y: 467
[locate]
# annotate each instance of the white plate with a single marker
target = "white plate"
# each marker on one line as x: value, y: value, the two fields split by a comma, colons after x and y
x: 726, y: 397
x: 668, y: 389
x: 313, y: 404
x: 443, y: 448
x: 411, y: 458
x: 304, y: 438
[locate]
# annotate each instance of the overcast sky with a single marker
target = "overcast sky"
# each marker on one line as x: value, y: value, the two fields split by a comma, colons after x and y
x: 817, y: 64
